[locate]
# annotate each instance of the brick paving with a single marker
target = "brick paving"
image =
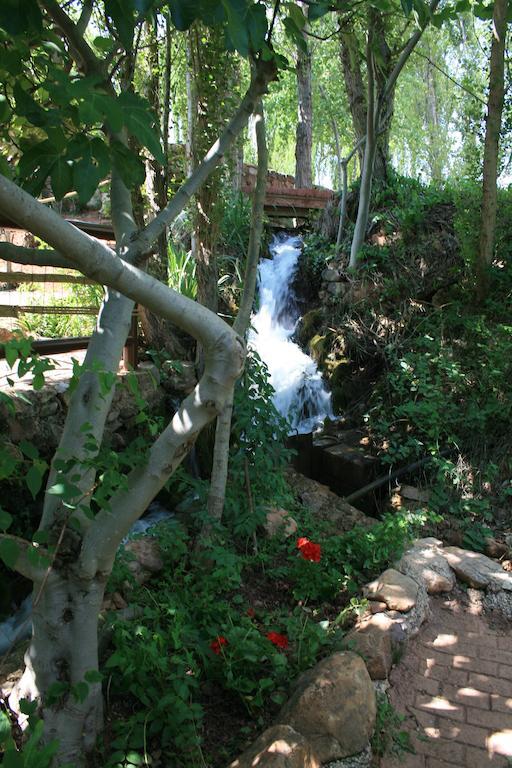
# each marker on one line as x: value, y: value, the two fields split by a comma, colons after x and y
x: 454, y: 686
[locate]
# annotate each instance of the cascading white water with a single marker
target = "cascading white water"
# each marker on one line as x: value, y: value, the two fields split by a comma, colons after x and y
x: 301, y: 395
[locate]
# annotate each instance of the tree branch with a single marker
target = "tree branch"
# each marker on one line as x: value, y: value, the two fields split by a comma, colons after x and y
x: 33, y: 256
x: 409, y: 47
x: 23, y: 564
x: 81, y: 50
x: 265, y: 72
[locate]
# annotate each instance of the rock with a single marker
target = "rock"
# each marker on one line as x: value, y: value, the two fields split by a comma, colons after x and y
x: 333, y: 705
x: 428, y: 542
x: 363, y: 760
x: 148, y: 558
x: 327, y: 505
x: 279, y: 521
x: 495, y: 548
x: 399, y: 592
x: 377, y: 607
x: 500, y: 603
x: 330, y: 276
x: 407, y: 625
x: 278, y: 747
x: 371, y: 639
x: 426, y: 565
x: 338, y: 289
x: 414, y: 494
x: 477, y: 570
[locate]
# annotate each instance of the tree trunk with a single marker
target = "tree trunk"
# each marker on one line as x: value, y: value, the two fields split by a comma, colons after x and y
x: 68, y: 592
x: 217, y: 493
x: 368, y: 162
x: 64, y: 648
x: 354, y: 85
x: 492, y: 137
x: 304, y: 134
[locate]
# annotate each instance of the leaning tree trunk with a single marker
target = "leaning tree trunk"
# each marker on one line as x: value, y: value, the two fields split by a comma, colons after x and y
x: 492, y: 137
x: 69, y: 583
x: 368, y: 162
x: 304, y: 133
x: 217, y: 494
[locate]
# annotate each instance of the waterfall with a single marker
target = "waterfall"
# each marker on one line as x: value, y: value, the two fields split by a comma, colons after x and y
x: 300, y: 394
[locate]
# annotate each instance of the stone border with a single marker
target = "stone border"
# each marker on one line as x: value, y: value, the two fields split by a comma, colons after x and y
x: 330, y: 716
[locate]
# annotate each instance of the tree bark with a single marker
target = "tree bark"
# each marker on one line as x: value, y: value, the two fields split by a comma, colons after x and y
x: 304, y: 133
x: 68, y: 595
x: 217, y: 493
x: 492, y: 137
x: 354, y: 84
x: 368, y: 162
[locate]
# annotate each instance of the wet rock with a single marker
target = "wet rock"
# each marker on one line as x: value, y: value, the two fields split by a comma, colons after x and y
x: 278, y: 747
x: 426, y: 565
x: 477, y: 570
x: 279, y: 521
x: 333, y: 705
x: 399, y: 592
x: 371, y: 639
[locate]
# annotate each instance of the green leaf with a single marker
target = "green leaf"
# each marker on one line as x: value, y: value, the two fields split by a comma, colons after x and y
x: 93, y: 676
x: 9, y: 551
x: 5, y: 519
x: 28, y: 449
x: 140, y: 121
x: 34, y: 478
x: 183, y: 13
x: 62, y: 178
x: 80, y: 691
x: 122, y: 14
x: 257, y: 24
x: 104, y: 44
x: 127, y: 163
x: 4, y: 108
x: 297, y: 16
x: 5, y: 728
x: 317, y: 10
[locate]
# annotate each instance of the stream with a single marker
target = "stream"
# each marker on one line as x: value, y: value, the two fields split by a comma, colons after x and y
x: 300, y: 394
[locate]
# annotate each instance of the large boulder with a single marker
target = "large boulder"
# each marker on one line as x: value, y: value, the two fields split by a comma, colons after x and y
x: 278, y: 747
x: 477, y: 570
x: 333, y: 705
x: 399, y: 592
x: 426, y: 565
x: 371, y: 639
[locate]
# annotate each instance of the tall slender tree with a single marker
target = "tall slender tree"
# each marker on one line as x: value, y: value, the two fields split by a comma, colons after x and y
x: 492, y: 137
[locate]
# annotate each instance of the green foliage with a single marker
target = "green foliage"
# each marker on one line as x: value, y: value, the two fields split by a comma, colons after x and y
x: 257, y: 453
x: 388, y: 738
x: 59, y: 326
x: 181, y: 271
x: 33, y: 753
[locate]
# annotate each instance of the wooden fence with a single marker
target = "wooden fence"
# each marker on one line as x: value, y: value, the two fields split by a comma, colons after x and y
x: 8, y: 275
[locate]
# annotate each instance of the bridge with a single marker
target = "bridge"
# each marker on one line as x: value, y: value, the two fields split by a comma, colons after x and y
x: 283, y: 199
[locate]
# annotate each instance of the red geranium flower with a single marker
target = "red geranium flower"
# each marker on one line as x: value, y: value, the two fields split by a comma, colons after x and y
x: 217, y: 644
x: 251, y: 613
x: 280, y: 640
x: 309, y: 550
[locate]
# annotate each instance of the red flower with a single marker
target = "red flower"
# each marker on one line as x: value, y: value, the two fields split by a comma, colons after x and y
x: 251, y: 613
x: 280, y: 640
x: 309, y: 550
x: 217, y: 644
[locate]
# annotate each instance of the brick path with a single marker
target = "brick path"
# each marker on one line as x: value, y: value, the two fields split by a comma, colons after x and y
x: 454, y: 685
